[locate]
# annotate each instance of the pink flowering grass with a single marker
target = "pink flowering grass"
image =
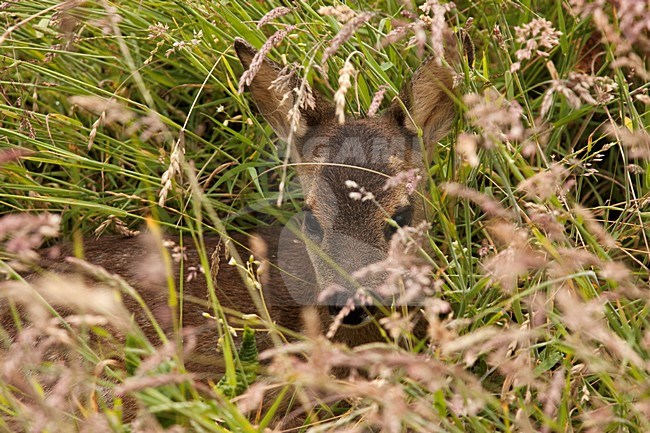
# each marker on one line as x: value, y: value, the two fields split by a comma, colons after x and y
x: 520, y: 305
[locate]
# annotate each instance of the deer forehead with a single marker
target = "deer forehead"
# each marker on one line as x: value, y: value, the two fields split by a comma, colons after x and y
x: 362, y: 142
x: 365, y: 151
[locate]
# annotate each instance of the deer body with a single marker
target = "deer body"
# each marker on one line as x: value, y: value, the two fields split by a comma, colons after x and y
x: 340, y: 233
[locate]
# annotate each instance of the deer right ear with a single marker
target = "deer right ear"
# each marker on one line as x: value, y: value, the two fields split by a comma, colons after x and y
x: 428, y: 97
x: 275, y: 99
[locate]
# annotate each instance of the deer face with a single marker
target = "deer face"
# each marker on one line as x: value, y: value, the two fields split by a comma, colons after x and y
x: 343, y: 169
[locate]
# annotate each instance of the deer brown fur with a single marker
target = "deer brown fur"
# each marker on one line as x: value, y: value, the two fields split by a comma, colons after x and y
x: 343, y: 234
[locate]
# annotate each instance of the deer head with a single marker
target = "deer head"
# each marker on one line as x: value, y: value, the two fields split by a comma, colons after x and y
x: 344, y: 233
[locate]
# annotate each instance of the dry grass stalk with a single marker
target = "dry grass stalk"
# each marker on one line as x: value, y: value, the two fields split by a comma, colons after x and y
x: 538, y: 38
x: 545, y: 184
x: 434, y: 14
x: 119, y: 226
x: 636, y: 143
x: 346, y: 33
x: 466, y: 147
x: 580, y: 89
x: 22, y: 234
x: 135, y: 384
x: 341, y: 12
x: 112, y: 110
x: 516, y: 260
x: 488, y: 204
x: 376, y: 100
x: 175, y: 161
x: 406, y: 277
x: 595, y: 227
x: 273, y: 14
x: 409, y: 179
x: 591, y: 325
x: 498, y: 119
x: 274, y: 40
x: 345, y: 74
x: 553, y: 396
x: 546, y: 220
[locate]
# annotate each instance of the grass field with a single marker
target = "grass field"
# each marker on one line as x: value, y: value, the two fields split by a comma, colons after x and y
x: 122, y: 116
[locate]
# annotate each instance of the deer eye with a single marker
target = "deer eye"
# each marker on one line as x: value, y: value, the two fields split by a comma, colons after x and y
x: 311, y: 226
x: 403, y: 217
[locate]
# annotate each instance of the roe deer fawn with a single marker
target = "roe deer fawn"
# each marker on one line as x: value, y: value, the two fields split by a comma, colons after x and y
x: 343, y: 234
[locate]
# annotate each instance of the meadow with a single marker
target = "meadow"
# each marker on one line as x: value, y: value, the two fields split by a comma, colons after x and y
x: 122, y: 117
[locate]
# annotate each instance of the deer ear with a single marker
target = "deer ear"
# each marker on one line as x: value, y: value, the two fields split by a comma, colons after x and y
x: 276, y: 100
x: 428, y: 97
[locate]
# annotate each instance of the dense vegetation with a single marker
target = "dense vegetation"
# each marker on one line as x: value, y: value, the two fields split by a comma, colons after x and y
x: 114, y: 115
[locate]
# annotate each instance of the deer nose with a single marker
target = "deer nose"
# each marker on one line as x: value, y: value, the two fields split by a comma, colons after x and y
x: 355, y: 316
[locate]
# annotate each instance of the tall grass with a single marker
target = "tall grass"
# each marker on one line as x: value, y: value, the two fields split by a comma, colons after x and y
x: 115, y: 113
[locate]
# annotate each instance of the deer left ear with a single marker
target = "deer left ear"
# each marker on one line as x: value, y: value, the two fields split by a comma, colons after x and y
x: 428, y: 97
x: 275, y: 102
